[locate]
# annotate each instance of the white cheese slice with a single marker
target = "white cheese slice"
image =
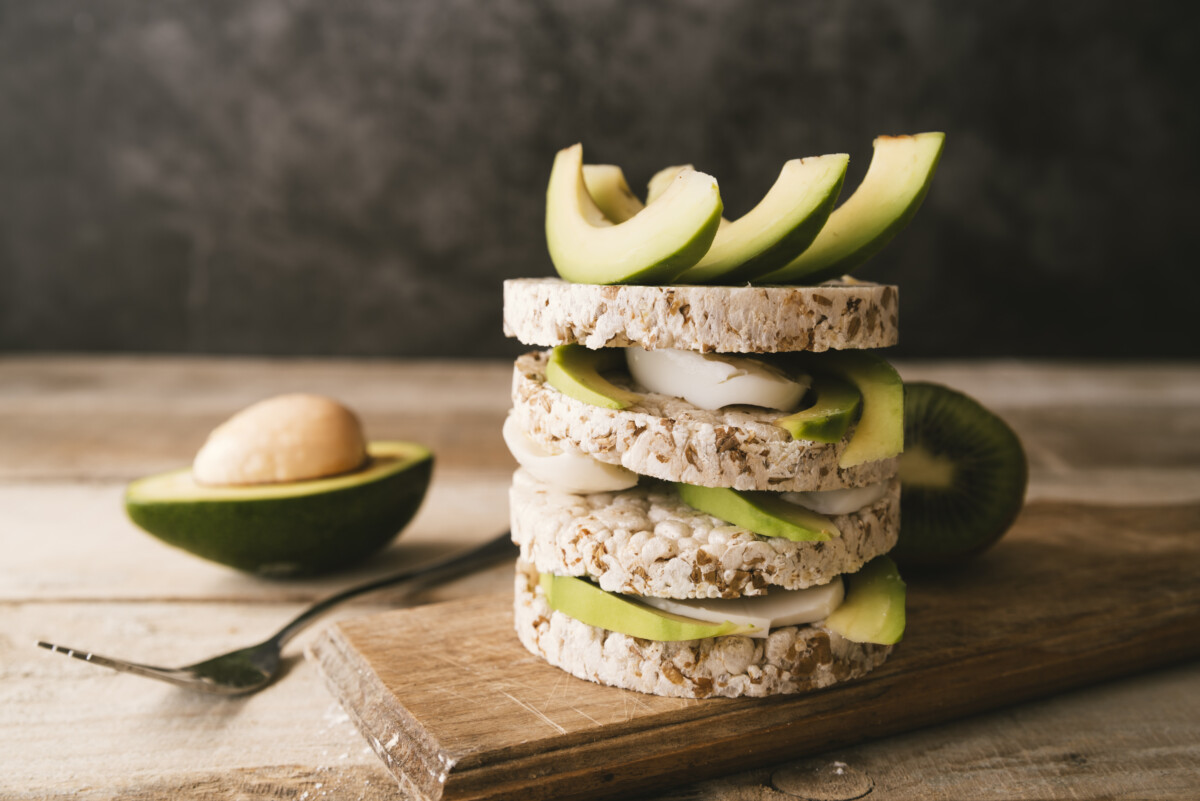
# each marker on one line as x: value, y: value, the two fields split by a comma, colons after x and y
x: 715, y: 380
x: 570, y: 472
x: 840, y: 501
x: 764, y: 612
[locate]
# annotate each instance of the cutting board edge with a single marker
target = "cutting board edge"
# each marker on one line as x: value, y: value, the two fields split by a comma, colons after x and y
x: 425, y: 768
x: 410, y: 759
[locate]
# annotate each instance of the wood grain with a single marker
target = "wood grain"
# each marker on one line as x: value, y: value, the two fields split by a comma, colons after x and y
x: 74, y: 429
x: 1076, y: 594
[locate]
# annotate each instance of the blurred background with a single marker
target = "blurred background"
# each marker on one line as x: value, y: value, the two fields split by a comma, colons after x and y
x: 309, y: 178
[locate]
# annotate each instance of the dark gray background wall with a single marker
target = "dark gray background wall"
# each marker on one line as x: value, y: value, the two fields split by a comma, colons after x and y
x: 310, y: 177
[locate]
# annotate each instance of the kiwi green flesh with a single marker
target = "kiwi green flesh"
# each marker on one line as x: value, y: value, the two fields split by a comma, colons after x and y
x: 293, y: 529
x: 963, y: 476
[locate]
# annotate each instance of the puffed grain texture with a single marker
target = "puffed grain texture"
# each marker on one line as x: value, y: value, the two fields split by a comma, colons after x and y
x: 669, y: 438
x: 645, y: 541
x: 791, y: 659
x: 724, y: 319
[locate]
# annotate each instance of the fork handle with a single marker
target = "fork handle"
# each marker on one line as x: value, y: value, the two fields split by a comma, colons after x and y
x: 492, y: 551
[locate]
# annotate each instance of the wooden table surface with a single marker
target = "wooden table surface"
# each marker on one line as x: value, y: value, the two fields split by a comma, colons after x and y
x: 73, y: 570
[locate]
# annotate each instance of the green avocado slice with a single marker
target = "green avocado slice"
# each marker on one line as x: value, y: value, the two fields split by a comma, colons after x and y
x: 660, y: 242
x: 587, y: 603
x: 575, y: 371
x: 835, y: 407
x: 607, y: 185
x: 661, y: 180
x: 879, y: 433
x: 874, y: 607
x: 896, y: 182
x: 779, y: 228
x: 763, y: 513
x: 287, y: 529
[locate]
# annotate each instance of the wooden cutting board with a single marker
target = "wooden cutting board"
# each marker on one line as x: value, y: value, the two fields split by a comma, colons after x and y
x: 457, y: 709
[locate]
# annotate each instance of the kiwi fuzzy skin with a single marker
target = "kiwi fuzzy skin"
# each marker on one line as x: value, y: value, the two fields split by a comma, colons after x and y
x: 943, y: 526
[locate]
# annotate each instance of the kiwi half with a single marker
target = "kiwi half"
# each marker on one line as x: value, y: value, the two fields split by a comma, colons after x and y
x: 962, y: 477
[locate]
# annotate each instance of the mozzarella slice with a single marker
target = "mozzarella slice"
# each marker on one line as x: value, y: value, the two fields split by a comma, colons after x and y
x: 570, y: 472
x: 714, y: 380
x: 840, y: 501
x: 764, y: 612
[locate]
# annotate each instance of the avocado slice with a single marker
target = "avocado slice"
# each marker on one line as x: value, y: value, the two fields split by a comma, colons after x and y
x: 834, y: 408
x: 660, y: 242
x: 575, y: 371
x: 607, y: 185
x: 896, y: 182
x: 287, y: 529
x: 880, y: 430
x: 587, y: 603
x: 763, y: 513
x: 779, y: 228
x: 874, y: 607
x: 661, y: 180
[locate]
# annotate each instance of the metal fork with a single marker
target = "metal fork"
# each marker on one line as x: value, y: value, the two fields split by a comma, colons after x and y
x: 250, y: 669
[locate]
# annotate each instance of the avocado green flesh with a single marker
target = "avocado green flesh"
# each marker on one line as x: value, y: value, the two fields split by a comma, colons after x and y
x: 896, y: 182
x: 873, y: 611
x: 829, y: 417
x: 779, y: 228
x: 763, y: 513
x: 879, y: 433
x: 653, y: 247
x: 587, y: 603
x: 575, y: 371
x: 662, y: 180
x: 300, y: 528
x: 607, y: 185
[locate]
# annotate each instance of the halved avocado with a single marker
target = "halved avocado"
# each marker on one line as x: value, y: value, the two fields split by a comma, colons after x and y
x: 874, y: 607
x: 835, y: 406
x: 655, y: 246
x: 587, y: 603
x: 763, y: 513
x: 896, y: 182
x: 575, y: 371
x: 779, y: 228
x: 288, y: 529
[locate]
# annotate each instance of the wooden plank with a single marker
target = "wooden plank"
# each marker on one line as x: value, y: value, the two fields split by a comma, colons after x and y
x: 1075, y: 595
x: 118, y: 418
x: 73, y: 568
x: 1136, y: 738
x: 71, y: 730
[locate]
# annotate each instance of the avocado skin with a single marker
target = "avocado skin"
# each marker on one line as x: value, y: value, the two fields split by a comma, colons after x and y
x: 297, y: 536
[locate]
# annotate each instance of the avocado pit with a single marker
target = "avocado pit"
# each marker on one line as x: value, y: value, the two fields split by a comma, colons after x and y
x: 287, y: 438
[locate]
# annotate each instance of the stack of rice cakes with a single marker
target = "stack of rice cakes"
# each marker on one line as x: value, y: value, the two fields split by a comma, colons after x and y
x: 643, y: 541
